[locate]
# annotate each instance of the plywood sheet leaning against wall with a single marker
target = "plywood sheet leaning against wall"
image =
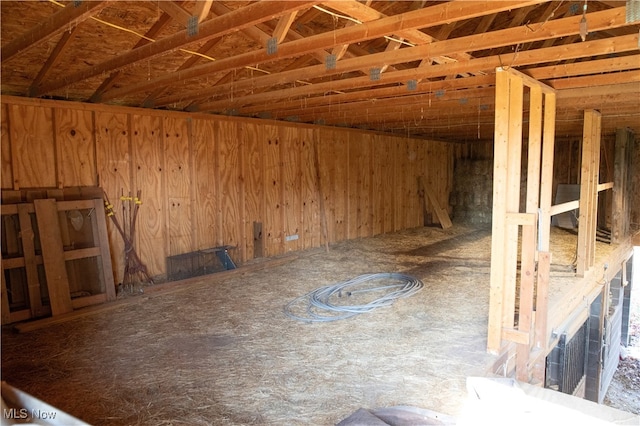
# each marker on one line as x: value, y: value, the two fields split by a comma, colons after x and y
x: 209, y: 181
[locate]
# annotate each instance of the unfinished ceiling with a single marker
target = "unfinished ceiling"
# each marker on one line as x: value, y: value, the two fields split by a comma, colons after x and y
x: 417, y: 68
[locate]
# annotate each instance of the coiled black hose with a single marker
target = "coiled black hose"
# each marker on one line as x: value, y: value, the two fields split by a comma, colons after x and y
x: 322, y: 306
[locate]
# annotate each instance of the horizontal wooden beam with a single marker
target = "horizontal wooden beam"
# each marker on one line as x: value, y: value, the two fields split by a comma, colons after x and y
x: 216, y: 27
x: 521, y: 219
x: 558, y: 28
x: 564, y: 207
x: 516, y: 336
x: 421, y: 18
x: 530, y: 57
x: 605, y: 186
x: 71, y: 15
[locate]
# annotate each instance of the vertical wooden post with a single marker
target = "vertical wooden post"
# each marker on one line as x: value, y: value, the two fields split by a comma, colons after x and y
x: 529, y: 233
x: 514, y: 167
x: 498, y: 235
x: 588, y: 191
x: 546, y: 178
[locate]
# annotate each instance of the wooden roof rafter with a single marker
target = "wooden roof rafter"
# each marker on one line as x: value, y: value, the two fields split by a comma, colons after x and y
x: 565, y: 26
x: 425, y: 53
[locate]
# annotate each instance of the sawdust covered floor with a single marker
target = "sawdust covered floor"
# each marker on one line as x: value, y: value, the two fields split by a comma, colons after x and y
x: 223, y: 352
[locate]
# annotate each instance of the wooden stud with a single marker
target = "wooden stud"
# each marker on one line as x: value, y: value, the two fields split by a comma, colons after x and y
x: 514, y: 148
x: 542, y: 300
x: 588, y: 192
x: 546, y: 177
x: 498, y: 235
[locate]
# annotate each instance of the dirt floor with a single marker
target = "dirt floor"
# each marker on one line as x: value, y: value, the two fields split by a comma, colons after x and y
x: 223, y: 352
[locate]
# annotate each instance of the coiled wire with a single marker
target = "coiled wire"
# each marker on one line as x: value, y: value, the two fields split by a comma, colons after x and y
x: 321, y: 304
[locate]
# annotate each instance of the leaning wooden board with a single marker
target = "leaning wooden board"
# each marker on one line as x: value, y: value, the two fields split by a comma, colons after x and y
x: 53, y: 256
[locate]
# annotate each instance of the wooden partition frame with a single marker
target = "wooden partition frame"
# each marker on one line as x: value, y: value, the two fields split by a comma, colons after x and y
x: 54, y: 258
x: 535, y: 221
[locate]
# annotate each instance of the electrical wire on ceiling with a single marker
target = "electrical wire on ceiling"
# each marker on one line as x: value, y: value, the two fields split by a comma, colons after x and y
x: 337, y: 301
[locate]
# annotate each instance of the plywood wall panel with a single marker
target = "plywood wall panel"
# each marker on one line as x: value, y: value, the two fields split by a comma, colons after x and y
x: 33, y: 152
x: 206, y: 199
x: 6, y: 172
x: 335, y: 155
x: 273, y: 187
x: 206, y: 180
x: 113, y: 159
x: 310, y: 193
x: 178, y: 170
x: 377, y: 183
x: 75, y: 147
x: 252, y: 176
x: 148, y: 160
x: 359, y: 174
x: 230, y: 196
x: 290, y: 153
x: 413, y: 217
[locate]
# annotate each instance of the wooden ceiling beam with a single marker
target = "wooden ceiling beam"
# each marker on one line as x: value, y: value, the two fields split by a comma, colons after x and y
x: 449, y: 112
x: 619, y: 63
x: 603, y: 91
x: 149, y: 101
x: 530, y: 57
x: 396, y: 92
x: 202, y: 8
x: 53, y: 58
x: 431, y: 16
x: 216, y: 27
x: 598, y: 67
x: 562, y: 27
x: 177, y: 12
x: 596, y: 80
x: 151, y: 33
x: 364, y: 13
x: 71, y: 15
x: 283, y: 26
